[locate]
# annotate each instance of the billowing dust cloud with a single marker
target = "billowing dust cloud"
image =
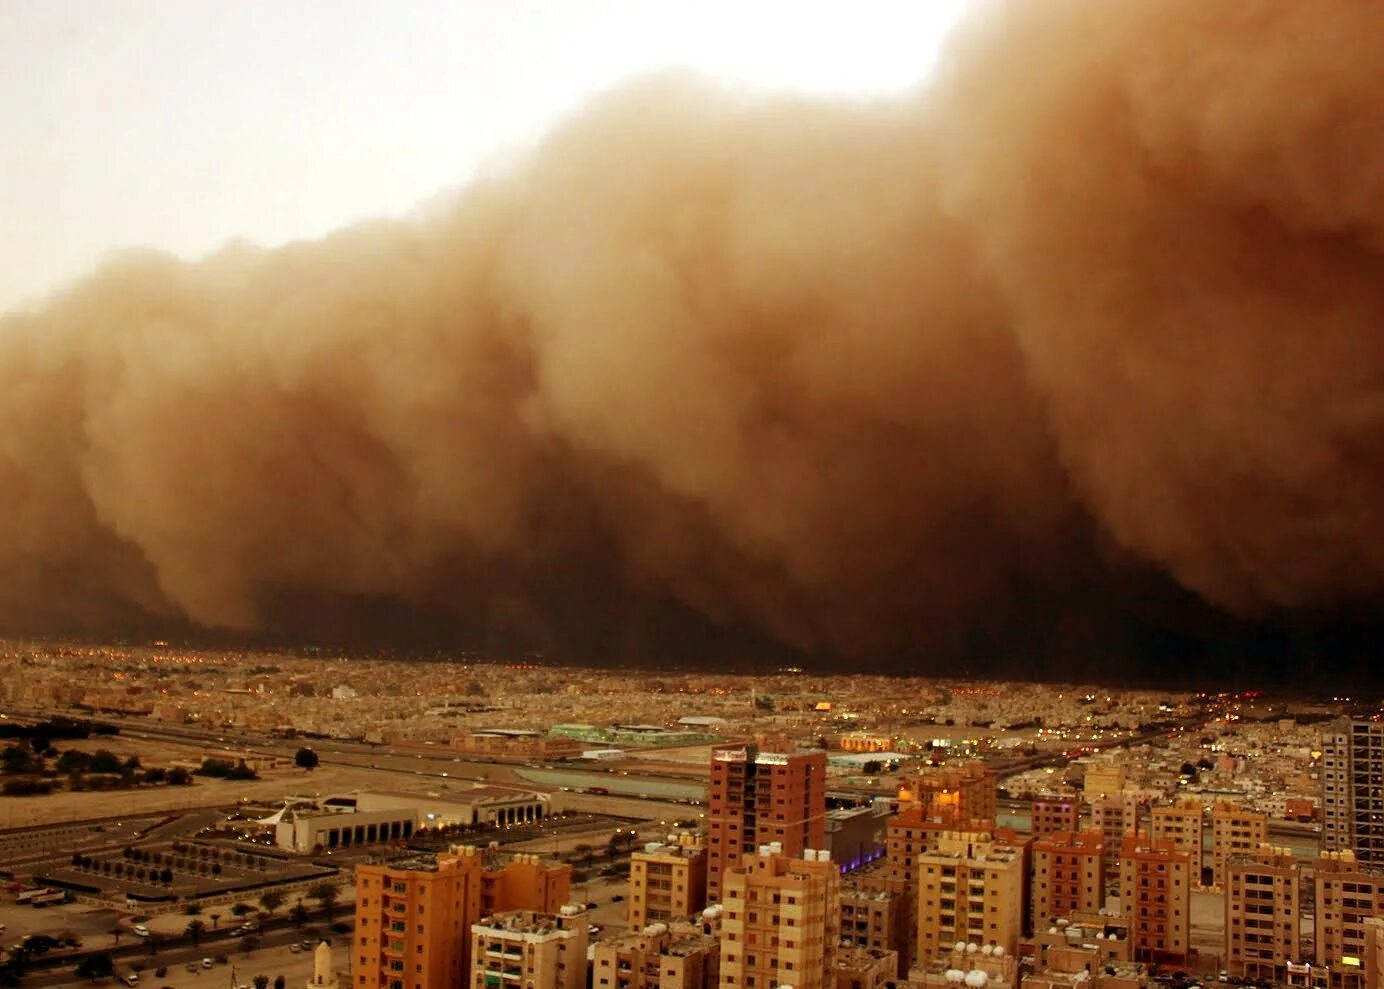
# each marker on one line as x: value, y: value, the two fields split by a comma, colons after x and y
x: 1105, y: 293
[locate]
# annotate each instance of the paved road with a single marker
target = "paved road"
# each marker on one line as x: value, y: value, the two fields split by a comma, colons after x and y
x: 214, y: 943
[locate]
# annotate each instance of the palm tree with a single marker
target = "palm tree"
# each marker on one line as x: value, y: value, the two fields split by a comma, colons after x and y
x: 215, y: 919
x: 195, y: 929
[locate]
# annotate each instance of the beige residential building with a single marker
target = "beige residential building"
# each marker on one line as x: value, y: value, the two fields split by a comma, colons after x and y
x: 660, y: 956
x: 1234, y: 831
x: 414, y: 915
x: 1348, y: 893
x: 1067, y: 876
x: 526, y: 949
x: 1156, y: 894
x: 1181, y: 826
x: 863, y: 968
x: 972, y: 966
x: 1102, y: 780
x: 780, y: 925
x: 970, y: 889
x: 1056, y: 815
x: 1116, y: 815
x: 873, y: 915
x: 1263, y: 914
x: 667, y: 882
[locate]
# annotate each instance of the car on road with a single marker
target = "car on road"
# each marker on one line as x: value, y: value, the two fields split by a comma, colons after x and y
x: 295, y: 948
x: 206, y: 963
x: 141, y: 929
x: 305, y: 945
x: 617, y: 898
x: 192, y: 966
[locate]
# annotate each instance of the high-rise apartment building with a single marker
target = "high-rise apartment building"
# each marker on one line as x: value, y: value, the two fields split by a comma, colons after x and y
x: 1234, y: 831
x: 1067, y: 876
x: 780, y: 925
x: 911, y: 833
x: 659, y: 956
x: 1181, y: 825
x: 413, y: 921
x: 957, y: 795
x: 527, y: 949
x: 971, y: 889
x: 1116, y: 816
x: 1348, y: 892
x: 667, y: 881
x: 755, y: 798
x: 413, y: 916
x: 1263, y: 913
x: 1156, y: 894
x: 1058, y: 815
x: 1352, y: 781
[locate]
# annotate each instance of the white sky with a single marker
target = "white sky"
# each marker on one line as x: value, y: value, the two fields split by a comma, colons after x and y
x: 180, y: 124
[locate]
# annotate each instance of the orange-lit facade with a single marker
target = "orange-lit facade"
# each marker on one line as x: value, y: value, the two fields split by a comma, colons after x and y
x: 961, y: 794
x: 755, y: 798
x: 413, y: 922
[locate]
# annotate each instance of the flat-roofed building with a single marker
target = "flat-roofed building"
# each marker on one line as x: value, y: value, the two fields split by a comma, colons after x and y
x: 1067, y: 875
x: 961, y: 794
x: 970, y: 889
x: 1181, y: 825
x: 1056, y: 815
x: 1348, y: 892
x: 863, y: 968
x: 1156, y: 893
x: 667, y: 881
x: 780, y: 925
x: 1116, y: 815
x: 1103, y: 779
x: 756, y: 797
x: 413, y: 919
x: 526, y: 949
x: 1263, y: 913
x: 414, y: 915
x: 659, y: 956
x: 1234, y: 831
x: 872, y: 914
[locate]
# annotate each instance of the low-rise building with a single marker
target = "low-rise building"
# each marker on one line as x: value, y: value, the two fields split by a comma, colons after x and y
x: 679, y: 955
x: 526, y: 949
x: 667, y: 881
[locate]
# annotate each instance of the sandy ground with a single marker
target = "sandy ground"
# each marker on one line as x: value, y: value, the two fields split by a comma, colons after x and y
x: 64, y: 806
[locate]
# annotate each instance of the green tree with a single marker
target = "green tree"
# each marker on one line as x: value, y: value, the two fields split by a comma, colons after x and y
x: 305, y: 758
x: 272, y: 900
x: 249, y: 943
x: 299, y: 913
x: 279, y: 982
x: 195, y: 929
x: 261, y: 982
